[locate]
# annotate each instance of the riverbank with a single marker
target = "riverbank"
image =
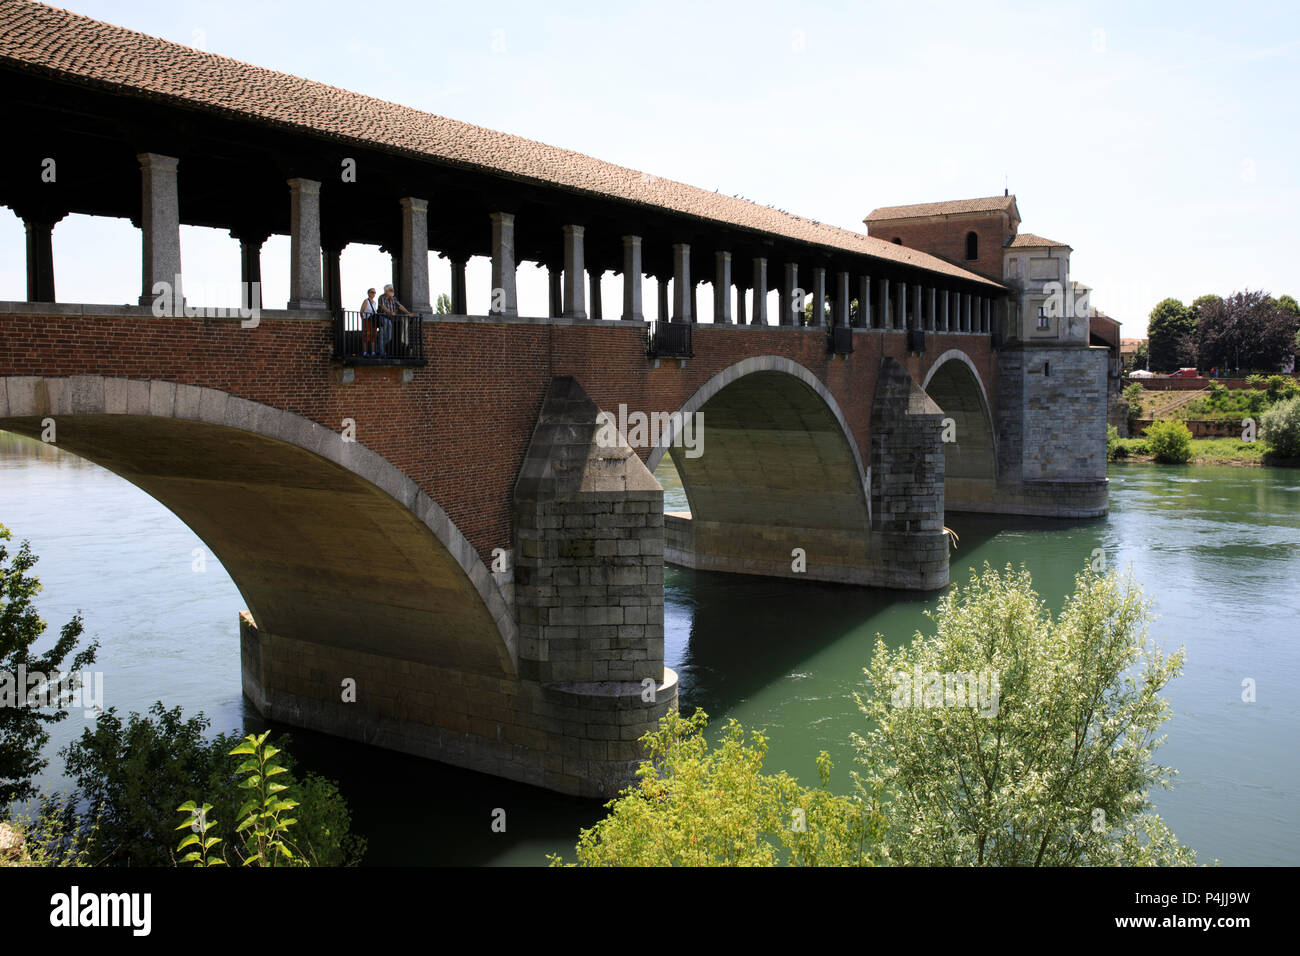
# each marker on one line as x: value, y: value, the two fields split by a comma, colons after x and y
x: 1207, y: 451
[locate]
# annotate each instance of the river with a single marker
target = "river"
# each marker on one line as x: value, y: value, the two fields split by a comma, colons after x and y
x: 1216, y: 548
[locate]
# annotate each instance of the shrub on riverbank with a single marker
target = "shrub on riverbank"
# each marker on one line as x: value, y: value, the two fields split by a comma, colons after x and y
x: 696, y: 806
x: 133, y: 774
x: 1052, y: 764
x: 1280, y: 427
x: 1170, y: 442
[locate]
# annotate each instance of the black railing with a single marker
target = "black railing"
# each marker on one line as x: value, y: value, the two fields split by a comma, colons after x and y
x: 670, y: 340
x: 839, y: 339
x: 378, y: 339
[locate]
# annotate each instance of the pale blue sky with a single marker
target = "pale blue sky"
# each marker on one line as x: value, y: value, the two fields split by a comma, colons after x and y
x: 1162, y: 142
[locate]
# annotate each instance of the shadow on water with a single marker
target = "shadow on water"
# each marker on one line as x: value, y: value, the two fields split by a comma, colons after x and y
x: 731, y: 635
x: 417, y: 812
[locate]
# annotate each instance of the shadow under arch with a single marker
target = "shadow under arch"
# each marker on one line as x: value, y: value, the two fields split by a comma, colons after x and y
x: 327, y: 541
x: 970, y: 459
x: 779, y: 471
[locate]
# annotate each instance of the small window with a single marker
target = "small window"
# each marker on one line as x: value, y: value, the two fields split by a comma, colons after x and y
x: 1042, y: 317
x: 897, y: 241
x: 1047, y: 369
x: 972, y: 246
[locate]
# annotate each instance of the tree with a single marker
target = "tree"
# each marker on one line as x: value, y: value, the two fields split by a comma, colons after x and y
x: 1170, y: 442
x: 1280, y: 427
x: 1247, y: 330
x: 692, y: 806
x: 443, y: 305
x: 1056, y: 771
x: 132, y: 775
x: 1287, y: 304
x: 1170, y: 336
x: 28, y: 681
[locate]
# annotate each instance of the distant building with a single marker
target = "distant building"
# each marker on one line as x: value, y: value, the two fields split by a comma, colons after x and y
x: 983, y: 235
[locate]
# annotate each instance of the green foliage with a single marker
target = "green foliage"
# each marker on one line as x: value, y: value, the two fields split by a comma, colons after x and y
x: 23, y: 732
x: 201, y: 825
x: 692, y: 806
x: 54, y: 835
x: 1281, y: 386
x: 263, y: 825
x: 443, y: 305
x: 1171, y: 336
x: 1280, y: 428
x: 133, y: 774
x: 1170, y: 442
x: 1059, y: 774
x: 1112, y: 442
x: 1133, y: 395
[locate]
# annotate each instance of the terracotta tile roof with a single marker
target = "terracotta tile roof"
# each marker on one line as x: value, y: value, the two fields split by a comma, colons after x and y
x: 42, y: 39
x: 1027, y: 240
x: 951, y: 207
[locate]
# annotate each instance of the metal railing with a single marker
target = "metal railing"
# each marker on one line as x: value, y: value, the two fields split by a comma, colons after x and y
x: 378, y: 339
x: 670, y: 340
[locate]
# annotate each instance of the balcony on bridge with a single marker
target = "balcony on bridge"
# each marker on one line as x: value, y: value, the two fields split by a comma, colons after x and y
x: 670, y: 340
x: 367, y: 340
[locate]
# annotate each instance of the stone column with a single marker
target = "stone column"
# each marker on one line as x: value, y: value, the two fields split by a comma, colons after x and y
x: 459, y: 296
x: 250, y: 265
x: 759, y: 312
x: 333, y: 291
x: 695, y: 302
x: 965, y: 312
x: 842, y: 299
x: 415, y: 254
x: 818, y: 317
x: 663, y: 299
x: 722, y: 288
x: 160, y: 224
x: 785, y: 313
x: 984, y: 315
x: 918, y: 308
x: 593, y: 296
x: 741, y: 318
x: 505, y: 301
x: 932, y: 322
x: 683, y: 288
x: 40, y: 255
x: 945, y: 298
x: 555, y: 291
x: 902, y: 306
x: 864, y: 302
x: 575, y: 305
x: 886, y: 319
x: 632, y: 311
x: 305, y: 279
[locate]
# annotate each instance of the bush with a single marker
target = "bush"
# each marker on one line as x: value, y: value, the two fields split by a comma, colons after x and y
x: 133, y: 774
x: 1280, y: 428
x: 1047, y: 758
x: 693, y: 806
x: 1112, y: 443
x: 1170, y: 442
x: 1133, y: 396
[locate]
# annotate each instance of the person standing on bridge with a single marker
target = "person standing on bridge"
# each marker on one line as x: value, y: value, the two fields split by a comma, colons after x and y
x: 389, y: 308
x: 369, y: 319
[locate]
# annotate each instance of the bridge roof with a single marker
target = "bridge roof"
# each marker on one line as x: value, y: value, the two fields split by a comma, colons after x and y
x: 58, y: 44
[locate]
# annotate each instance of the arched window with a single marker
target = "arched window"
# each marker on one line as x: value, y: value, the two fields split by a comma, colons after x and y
x: 972, y: 246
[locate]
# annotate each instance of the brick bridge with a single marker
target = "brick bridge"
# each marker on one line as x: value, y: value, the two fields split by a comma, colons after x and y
x: 447, y: 529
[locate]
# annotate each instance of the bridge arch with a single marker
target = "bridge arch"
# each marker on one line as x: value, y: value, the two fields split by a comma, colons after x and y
x: 779, y: 471
x: 326, y: 540
x: 970, y: 460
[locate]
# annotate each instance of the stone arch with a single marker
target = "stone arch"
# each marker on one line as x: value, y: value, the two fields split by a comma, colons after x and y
x: 780, y: 470
x: 970, y: 462
x: 293, y: 511
x: 761, y: 363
